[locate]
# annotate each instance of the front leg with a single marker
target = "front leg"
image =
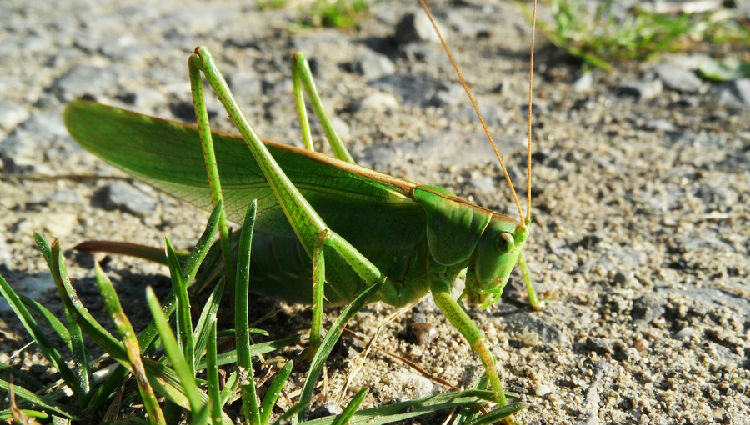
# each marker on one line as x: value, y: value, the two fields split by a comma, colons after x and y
x: 478, y: 342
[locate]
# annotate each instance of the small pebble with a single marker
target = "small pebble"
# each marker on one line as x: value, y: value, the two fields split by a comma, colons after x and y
x: 120, y: 195
x: 83, y: 80
x: 685, y: 334
x: 246, y: 86
x: 341, y: 128
x: 484, y: 185
x: 44, y: 124
x: 642, y: 90
x: 62, y: 224
x: 584, y: 83
x: 422, y: 333
x: 599, y: 345
x: 735, y: 93
x: 647, y: 308
x: 415, y: 27
x: 659, y: 125
x: 372, y: 65
x: 412, y: 381
x: 4, y: 252
x: 11, y: 115
x: 493, y: 115
x: 35, y: 287
x: 186, y: 112
x: 327, y: 409
x: 528, y: 323
x: 619, y: 278
x: 641, y: 345
x: 678, y: 78
x: 543, y: 388
x: 144, y: 98
x: 378, y: 102
x: 414, y: 90
x: 241, y: 42
x: 19, y: 153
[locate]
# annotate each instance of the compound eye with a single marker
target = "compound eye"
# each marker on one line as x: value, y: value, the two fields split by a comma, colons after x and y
x: 504, y: 242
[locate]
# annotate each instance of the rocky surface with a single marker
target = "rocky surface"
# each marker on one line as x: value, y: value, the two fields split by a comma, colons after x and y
x: 641, y: 188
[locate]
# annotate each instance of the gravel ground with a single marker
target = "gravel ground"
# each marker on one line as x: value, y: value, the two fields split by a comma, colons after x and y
x: 640, y: 194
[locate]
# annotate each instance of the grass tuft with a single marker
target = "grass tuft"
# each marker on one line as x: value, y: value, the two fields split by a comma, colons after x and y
x: 175, y: 367
x: 336, y: 13
x: 608, y: 33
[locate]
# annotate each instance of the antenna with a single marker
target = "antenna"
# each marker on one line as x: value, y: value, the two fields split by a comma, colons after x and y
x: 531, y: 99
x: 476, y: 108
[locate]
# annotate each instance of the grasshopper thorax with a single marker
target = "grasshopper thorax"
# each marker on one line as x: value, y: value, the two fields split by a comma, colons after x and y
x: 461, y: 235
x: 494, y: 258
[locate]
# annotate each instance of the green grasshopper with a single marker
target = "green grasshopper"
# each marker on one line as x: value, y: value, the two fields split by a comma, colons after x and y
x: 326, y: 227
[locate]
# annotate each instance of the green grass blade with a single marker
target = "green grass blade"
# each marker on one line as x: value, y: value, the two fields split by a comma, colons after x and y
x: 128, y: 421
x: 201, y: 416
x: 290, y: 414
x: 212, y: 373
x: 118, y: 376
x: 80, y: 356
x: 719, y: 71
x: 7, y: 414
x: 212, y: 268
x: 184, y: 321
x: 203, y: 328
x: 351, y: 408
x: 148, y: 335
x: 204, y: 244
x: 269, y: 400
x: 60, y: 275
x: 329, y: 341
x: 43, y: 247
x: 112, y: 302
x: 52, y: 320
x: 70, y: 299
x: 166, y: 382
x: 498, y: 414
x: 29, y: 323
x: 29, y: 396
x: 230, y: 332
x: 172, y: 412
x: 406, y: 410
x: 180, y: 364
x: 255, y: 349
x: 106, y: 389
x: 74, y: 311
x: 470, y: 412
x: 242, y: 337
x: 12, y: 374
x: 230, y: 388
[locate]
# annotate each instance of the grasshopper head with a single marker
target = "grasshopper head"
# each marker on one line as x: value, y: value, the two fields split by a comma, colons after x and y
x: 494, y: 258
